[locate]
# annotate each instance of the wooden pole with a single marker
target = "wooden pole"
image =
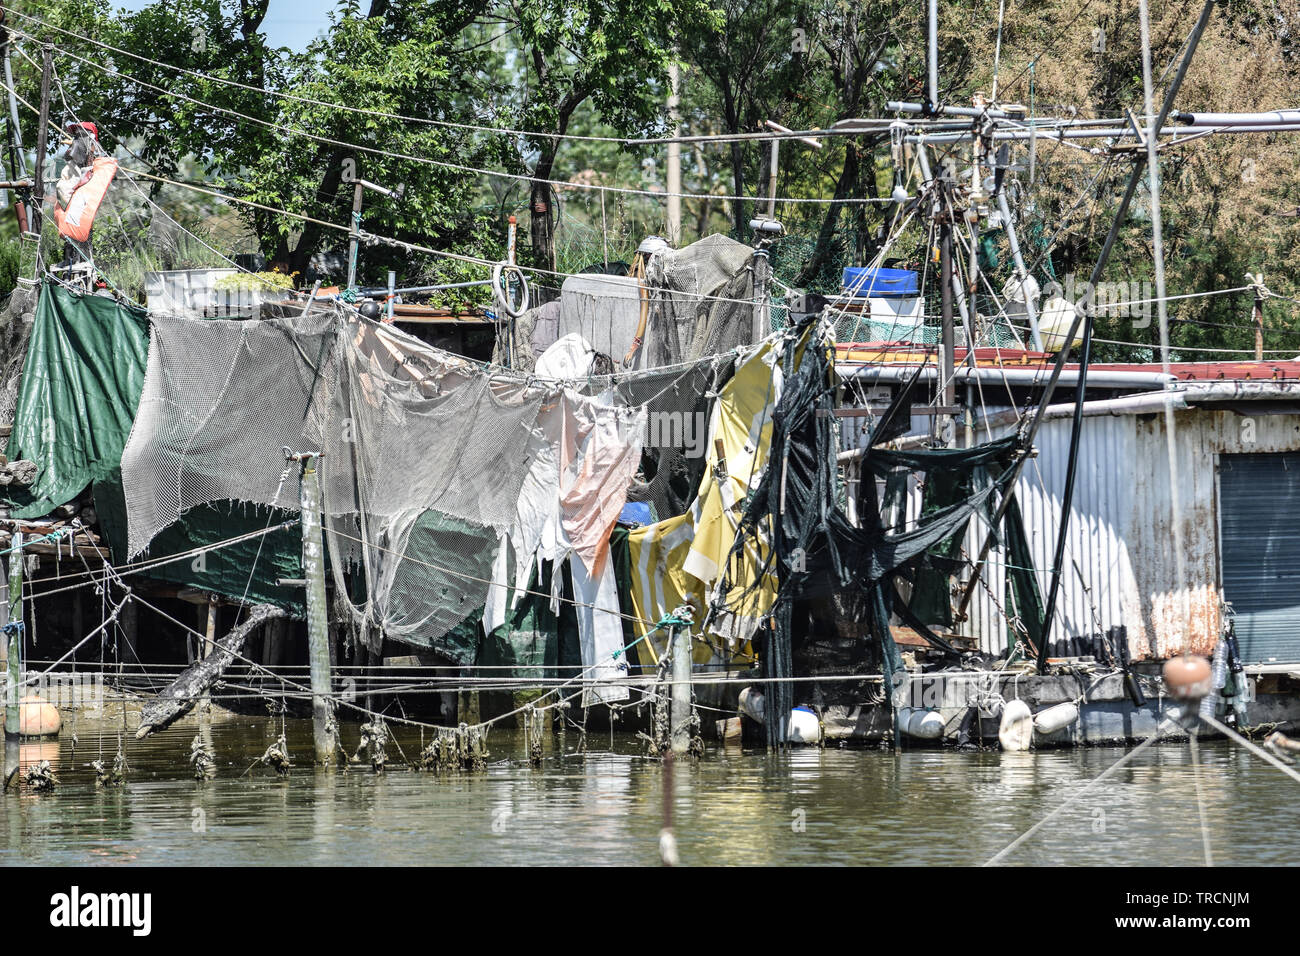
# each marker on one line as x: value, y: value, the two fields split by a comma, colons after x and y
x: 354, y: 236
x: 468, y: 706
x: 209, y: 642
x: 1259, y: 317
x: 318, y: 651
x: 42, y: 136
x: 15, y: 636
x: 947, y: 397
x: 17, y: 161
x: 674, y: 172
x: 130, y: 631
x: 680, y: 711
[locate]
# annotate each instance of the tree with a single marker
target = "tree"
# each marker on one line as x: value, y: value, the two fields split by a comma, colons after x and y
x: 613, y: 53
x: 401, y: 58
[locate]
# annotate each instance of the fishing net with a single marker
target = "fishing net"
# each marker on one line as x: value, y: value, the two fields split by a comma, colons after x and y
x: 795, y: 520
x: 15, y: 328
x: 434, y: 471
x: 688, y: 317
x: 677, y: 403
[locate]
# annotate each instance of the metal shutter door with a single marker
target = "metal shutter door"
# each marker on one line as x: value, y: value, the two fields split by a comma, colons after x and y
x: 1259, y: 515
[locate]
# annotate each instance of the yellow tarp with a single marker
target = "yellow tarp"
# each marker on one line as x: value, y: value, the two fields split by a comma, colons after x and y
x: 680, y: 559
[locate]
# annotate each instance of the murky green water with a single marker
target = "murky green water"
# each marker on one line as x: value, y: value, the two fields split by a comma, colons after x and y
x: 808, y: 806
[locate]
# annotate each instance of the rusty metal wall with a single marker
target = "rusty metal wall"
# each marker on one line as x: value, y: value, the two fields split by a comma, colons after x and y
x: 1119, y: 561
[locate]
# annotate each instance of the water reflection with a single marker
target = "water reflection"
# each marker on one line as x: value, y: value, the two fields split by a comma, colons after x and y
x: 734, y: 807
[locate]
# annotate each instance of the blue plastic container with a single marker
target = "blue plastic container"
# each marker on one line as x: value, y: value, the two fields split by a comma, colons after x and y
x: 881, y: 283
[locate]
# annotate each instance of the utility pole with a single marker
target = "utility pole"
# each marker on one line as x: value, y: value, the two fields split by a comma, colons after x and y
x: 313, y: 567
x: 674, y: 172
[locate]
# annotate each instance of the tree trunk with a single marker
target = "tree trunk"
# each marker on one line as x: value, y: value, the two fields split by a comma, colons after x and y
x: 541, y: 217
x: 844, y: 187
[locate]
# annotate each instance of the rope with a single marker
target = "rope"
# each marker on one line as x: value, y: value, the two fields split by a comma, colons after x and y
x: 442, y: 164
x: 722, y: 138
x: 997, y: 857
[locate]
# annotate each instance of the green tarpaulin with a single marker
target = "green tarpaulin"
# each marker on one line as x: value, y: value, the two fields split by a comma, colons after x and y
x: 80, y: 389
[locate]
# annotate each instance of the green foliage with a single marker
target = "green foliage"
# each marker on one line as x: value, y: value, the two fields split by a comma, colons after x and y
x: 10, y: 257
x: 599, y: 68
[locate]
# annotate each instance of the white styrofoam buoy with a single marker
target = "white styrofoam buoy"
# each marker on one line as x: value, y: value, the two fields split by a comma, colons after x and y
x: 804, y: 727
x: 921, y: 723
x: 1056, y: 718
x: 1054, y: 324
x: 750, y: 704
x: 1016, y: 729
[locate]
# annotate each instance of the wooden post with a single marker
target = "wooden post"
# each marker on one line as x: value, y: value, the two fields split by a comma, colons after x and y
x: 468, y: 707
x: 130, y: 630
x: 1259, y: 317
x: 42, y: 136
x: 15, y: 635
x: 354, y: 236
x: 680, y: 712
x: 273, y: 644
x: 204, y: 705
x: 318, y: 650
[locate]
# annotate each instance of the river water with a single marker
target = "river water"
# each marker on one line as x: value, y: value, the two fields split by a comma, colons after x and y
x: 808, y: 806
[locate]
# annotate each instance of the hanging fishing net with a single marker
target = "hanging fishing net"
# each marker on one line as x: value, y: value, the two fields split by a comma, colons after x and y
x: 449, y: 489
x: 700, y: 301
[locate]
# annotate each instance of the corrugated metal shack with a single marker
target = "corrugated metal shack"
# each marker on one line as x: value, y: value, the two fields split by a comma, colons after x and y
x: 1237, y: 451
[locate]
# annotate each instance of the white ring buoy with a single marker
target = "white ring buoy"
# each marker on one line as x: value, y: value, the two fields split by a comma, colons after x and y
x: 501, y: 293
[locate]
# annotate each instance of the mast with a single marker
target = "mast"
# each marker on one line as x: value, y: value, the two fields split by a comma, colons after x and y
x: 1027, y: 437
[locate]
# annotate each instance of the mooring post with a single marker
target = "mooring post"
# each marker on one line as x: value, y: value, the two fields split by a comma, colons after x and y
x: 680, y: 712
x: 12, y: 611
x: 469, y: 708
x: 14, y: 633
x: 313, y: 567
x: 204, y: 707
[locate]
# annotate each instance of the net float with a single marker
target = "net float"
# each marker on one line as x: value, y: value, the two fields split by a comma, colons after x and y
x: 1188, y: 678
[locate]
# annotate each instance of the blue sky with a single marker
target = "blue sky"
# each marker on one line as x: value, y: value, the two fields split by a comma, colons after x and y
x: 291, y: 23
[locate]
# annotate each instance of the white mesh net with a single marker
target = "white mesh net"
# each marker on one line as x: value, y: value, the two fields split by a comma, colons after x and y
x: 431, y: 464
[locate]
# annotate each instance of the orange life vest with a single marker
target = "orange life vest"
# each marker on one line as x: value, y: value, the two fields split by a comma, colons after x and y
x: 77, y: 220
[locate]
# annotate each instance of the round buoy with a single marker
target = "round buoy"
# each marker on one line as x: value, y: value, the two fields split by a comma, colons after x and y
x: 1016, y: 728
x: 37, y: 717
x: 1187, y: 677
